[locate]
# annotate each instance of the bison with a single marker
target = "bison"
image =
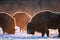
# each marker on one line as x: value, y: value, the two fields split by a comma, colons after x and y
x: 21, y: 20
x: 43, y: 21
x: 7, y: 23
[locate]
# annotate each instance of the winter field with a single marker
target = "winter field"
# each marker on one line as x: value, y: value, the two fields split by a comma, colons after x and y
x: 24, y: 36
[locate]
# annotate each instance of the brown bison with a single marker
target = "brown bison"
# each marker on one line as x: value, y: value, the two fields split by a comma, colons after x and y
x: 21, y: 20
x: 7, y: 23
x: 43, y: 21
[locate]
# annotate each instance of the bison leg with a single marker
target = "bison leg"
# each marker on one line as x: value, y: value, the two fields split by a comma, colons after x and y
x: 3, y: 30
x: 59, y: 32
x: 43, y: 34
x: 20, y: 29
x: 47, y: 33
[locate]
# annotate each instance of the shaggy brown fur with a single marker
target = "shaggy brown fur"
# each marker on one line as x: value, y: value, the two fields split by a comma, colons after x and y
x: 22, y: 20
x: 44, y: 21
x: 7, y: 23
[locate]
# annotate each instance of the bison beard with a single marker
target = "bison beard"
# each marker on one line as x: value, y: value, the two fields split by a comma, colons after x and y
x: 7, y: 23
x: 44, y: 21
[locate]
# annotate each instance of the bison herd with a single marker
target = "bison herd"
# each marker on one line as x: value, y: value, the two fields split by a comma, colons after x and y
x: 41, y: 22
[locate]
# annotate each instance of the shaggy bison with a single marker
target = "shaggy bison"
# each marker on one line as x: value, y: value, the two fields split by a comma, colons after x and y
x: 44, y: 21
x: 21, y: 20
x: 7, y: 23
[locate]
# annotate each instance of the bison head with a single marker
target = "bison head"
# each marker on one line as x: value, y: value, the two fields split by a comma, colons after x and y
x: 30, y: 29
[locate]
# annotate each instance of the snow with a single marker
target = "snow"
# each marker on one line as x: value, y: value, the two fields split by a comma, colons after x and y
x: 24, y: 36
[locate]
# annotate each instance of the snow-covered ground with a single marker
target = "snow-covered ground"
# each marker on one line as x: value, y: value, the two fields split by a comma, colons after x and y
x: 24, y: 36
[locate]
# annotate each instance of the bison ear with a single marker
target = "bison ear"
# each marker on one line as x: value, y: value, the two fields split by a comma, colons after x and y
x: 28, y: 24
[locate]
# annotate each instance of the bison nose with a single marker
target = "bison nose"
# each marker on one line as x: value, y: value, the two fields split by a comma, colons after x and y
x: 28, y: 31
